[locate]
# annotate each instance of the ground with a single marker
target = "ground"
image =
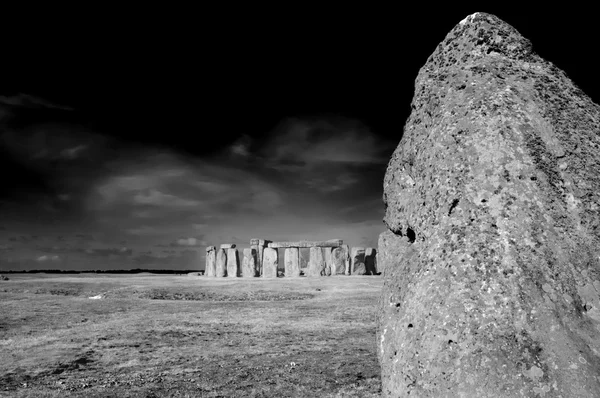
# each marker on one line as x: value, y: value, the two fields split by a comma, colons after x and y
x: 188, y: 336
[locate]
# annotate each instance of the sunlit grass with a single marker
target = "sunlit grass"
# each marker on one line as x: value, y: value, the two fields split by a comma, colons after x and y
x: 211, y: 338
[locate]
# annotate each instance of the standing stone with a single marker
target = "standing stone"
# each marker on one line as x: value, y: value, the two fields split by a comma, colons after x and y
x: 316, y: 263
x: 211, y: 261
x: 328, y: 260
x: 357, y: 258
x: 346, y: 256
x: 370, y: 264
x: 249, y: 263
x: 233, y: 263
x: 339, y: 257
x: 491, y: 260
x: 221, y: 268
x: 292, y: 262
x: 270, y: 263
x: 259, y: 245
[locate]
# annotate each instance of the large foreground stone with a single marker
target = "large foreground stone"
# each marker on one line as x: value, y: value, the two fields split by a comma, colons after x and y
x: 292, y: 262
x: 316, y: 262
x: 211, y: 261
x: 249, y: 263
x: 357, y: 258
x: 221, y: 268
x: 233, y: 263
x: 270, y: 263
x: 492, y: 258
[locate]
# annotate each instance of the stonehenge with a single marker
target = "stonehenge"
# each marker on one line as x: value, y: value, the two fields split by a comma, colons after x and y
x: 261, y: 259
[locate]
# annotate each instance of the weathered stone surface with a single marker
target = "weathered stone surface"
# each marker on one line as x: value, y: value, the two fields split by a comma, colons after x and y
x: 259, y: 245
x: 249, y: 263
x: 316, y: 262
x: 339, y: 258
x: 292, y: 262
x: 357, y: 259
x: 370, y: 263
x: 492, y: 284
x: 228, y: 246
x: 304, y: 243
x: 211, y: 261
x: 221, y: 269
x: 346, y: 249
x: 328, y: 260
x: 270, y: 263
x: 233, y: 263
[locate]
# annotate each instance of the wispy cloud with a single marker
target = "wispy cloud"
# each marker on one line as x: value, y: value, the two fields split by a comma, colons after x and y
x: 29, y: 101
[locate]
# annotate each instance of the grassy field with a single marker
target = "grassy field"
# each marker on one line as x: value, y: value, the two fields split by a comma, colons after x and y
x: 188, y: 336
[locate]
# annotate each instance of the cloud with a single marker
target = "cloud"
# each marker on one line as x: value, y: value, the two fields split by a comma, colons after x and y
x: 73, y: 153
x: 108, y: 252
x: 242, y: 146
x: 188, y: 242
x: 312, y: 142
x: 28, y: 101
x: 155, y: 197
x: 46, y: 258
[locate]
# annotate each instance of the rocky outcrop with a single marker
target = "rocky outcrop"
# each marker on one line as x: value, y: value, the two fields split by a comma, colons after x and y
x: 492, y: 259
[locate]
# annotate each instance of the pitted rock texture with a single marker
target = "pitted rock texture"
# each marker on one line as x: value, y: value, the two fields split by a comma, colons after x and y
x: 492, y: 259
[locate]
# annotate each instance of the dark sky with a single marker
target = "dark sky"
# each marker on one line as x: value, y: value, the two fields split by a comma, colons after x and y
x: 134, y: 138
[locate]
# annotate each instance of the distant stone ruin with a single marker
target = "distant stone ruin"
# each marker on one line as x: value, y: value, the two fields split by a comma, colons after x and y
x: 261, y: 259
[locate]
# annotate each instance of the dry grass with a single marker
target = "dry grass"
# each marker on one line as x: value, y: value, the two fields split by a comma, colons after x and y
x: 180, y: 336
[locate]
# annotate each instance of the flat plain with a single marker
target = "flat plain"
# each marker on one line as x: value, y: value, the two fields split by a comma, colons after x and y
x: 146, y: 335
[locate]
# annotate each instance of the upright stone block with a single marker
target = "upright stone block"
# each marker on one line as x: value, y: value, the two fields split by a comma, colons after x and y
x: 316, y: 263
x: 249, y: 263
x: 370, y: 262
x: 339, y: 259
x: 233, y: 263
x: 347, y: 261
x: 358, y: 261
x: 270, y: 263
x: 328, y: 260
x: 211, y: 261
x: 221, y: 268
x: 259, y: 245
x: 292, y: 262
